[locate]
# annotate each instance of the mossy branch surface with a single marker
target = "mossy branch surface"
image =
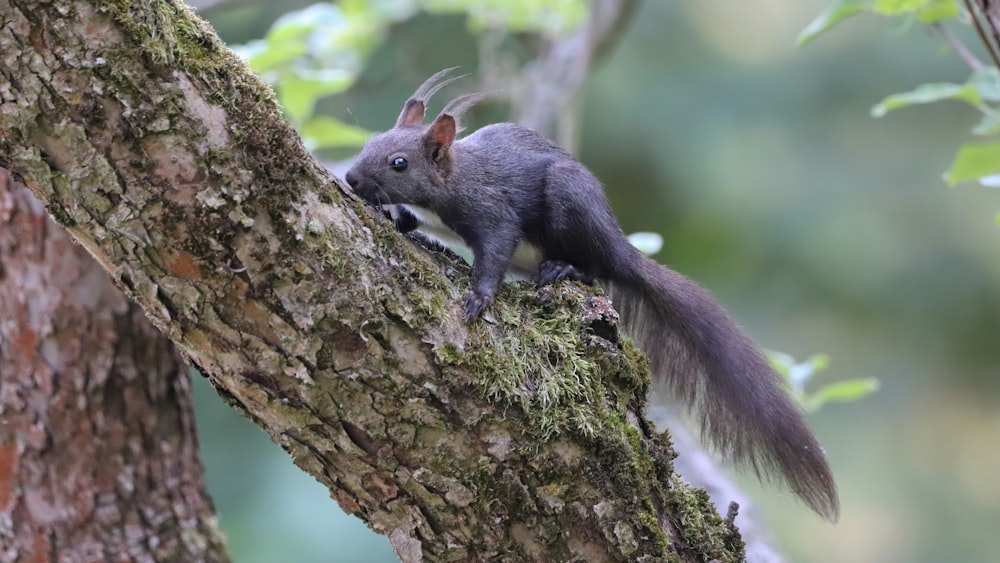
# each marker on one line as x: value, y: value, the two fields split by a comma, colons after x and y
x: 521, y: 439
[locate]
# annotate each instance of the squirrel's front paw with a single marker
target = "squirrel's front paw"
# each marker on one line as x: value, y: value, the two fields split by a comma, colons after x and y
x: 475, y: 304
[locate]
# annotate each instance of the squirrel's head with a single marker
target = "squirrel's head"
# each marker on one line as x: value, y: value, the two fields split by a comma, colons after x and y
x: 411, y: 161
x: 404, y: 164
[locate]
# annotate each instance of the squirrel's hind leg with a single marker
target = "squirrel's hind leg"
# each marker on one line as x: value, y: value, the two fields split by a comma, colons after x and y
x: 551, y: 271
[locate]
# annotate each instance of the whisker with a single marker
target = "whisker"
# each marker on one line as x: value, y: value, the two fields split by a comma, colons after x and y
x: 351, y: 113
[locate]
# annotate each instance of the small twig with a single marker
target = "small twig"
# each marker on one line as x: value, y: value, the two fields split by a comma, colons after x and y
x: 701, y: 469
x: 973, y: 13
x: 956, y: 45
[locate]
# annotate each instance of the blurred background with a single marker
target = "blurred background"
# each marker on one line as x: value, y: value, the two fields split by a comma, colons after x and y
x: 821, y: 228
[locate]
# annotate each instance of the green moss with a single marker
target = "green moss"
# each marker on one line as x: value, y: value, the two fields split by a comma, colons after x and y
x: 168, y: 30
x: 701, y: 525
x: 537, y: 358
x: 542, y: 362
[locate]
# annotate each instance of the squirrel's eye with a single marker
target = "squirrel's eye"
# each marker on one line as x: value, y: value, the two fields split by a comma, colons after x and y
x: 399, y: 164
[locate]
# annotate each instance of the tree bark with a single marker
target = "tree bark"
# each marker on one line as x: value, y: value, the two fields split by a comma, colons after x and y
x: 522, y: 439
x: 98, y: 455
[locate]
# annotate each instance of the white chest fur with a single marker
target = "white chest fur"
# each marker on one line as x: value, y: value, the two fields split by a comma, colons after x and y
x: 526, y: 257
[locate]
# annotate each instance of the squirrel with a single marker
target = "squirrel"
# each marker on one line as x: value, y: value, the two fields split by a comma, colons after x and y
x: 522, y: 203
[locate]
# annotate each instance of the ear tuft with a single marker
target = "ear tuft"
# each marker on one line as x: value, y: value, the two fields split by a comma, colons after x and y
x: 457, y: 107
x: 413, y: 109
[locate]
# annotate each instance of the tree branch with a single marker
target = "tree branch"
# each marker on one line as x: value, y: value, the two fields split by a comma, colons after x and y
x: 991, y: 48
x: 170, y: 163
x: 544, y: 90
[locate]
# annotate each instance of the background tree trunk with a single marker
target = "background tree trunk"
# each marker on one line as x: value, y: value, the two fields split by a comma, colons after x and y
x: 523, y: 439
x: 98, y: 455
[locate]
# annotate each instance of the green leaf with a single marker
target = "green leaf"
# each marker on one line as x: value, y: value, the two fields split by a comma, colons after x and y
x: 325, y: 132
x: 938, y: 10
x: 896, y: 7
x: 552, y: 17
x: 927, y: 93
x: 264, y: 57
x: 298, y: 24
x: 973, y: 162
x: 795, y: 373
x: 841, y: 391
x: 299, y: 90
x: 834, y: 14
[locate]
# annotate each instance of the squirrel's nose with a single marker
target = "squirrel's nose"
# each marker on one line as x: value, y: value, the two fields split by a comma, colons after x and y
x: 352, y: 179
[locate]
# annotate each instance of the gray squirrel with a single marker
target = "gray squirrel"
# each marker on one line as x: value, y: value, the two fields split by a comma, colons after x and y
x: 521, y: 203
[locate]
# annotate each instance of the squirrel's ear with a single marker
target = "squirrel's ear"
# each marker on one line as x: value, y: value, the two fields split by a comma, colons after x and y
x: 413, y: 110
x: 440, y: 135
x: 412, y: 114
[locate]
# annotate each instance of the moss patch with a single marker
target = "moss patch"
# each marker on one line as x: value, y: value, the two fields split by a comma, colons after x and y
x: 542, y: 359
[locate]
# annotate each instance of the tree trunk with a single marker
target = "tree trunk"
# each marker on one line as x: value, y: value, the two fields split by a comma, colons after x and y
x: 98, y: 456
x: 522, y: 439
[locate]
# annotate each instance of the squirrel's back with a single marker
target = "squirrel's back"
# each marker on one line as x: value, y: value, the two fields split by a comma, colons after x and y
x: 516, y: 138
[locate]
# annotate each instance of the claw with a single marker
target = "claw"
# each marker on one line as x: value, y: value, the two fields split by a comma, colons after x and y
x: 552, y: 271
x: 475, y: 304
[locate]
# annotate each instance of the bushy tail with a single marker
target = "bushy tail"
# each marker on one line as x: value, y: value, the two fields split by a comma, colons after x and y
x: 714, y: 368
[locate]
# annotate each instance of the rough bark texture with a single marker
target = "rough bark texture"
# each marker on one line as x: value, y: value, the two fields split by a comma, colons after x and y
x: 522, y: 439
x: 98, y: 456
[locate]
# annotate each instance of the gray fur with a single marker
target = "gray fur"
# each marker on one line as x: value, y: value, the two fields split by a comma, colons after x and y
x: 505, y: 187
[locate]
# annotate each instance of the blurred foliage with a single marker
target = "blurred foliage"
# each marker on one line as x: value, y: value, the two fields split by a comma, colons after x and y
x: 817, y: 226
x: 799, y: 374
x: 316, y: 52
x: 548, y: 17
x: 974, y: 161
x: 320, y: 50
